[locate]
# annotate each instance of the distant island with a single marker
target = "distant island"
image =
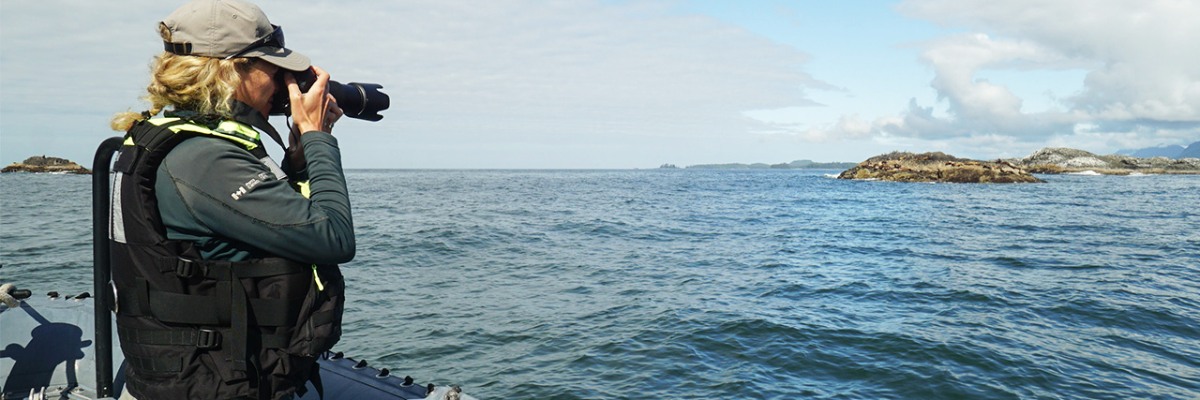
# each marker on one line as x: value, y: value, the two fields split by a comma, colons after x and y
x: 43, y: 164
x: 1060, y: 160
x: 798, y: 164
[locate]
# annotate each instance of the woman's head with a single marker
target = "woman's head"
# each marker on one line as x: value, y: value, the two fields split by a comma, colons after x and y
x: 202, y: 84
x: 216, y: 51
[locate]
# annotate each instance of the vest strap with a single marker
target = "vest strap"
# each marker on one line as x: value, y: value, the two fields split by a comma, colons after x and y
x: 206, y: 310
x: 315, y: 378
x: 221, y: 270
x: 155, y: 364
x: 200, y: 338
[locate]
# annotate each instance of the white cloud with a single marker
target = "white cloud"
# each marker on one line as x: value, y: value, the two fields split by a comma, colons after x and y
x: 1143, y: 66
x: 957, y: 58
x: 639, y: 83
x: 1142, y: 84
x: 580, y: 67
x: 478, y: 74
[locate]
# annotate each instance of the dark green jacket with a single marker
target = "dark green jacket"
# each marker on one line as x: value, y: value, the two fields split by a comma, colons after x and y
x: 195, y: 190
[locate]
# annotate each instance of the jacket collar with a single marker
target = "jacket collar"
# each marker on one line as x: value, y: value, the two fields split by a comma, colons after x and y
x: 245, y: 114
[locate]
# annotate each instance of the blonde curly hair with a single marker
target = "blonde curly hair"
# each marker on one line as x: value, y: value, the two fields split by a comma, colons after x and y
x: 202, y: 84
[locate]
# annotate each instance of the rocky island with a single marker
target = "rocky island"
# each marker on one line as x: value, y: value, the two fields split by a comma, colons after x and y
x: 45, y: 164
x: 936, y: 167
x: 1059, y: 160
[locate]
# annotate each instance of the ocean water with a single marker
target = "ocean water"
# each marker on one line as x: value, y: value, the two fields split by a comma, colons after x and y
x: 759, y: 284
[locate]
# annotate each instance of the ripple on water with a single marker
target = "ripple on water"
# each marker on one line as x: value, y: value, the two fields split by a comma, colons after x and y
x: 740, y: 284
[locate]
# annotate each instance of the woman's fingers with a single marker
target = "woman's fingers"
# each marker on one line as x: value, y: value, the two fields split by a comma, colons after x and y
x: 309, y: 109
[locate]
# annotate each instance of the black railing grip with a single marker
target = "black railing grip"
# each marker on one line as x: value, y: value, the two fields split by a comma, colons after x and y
x: 102, y: 273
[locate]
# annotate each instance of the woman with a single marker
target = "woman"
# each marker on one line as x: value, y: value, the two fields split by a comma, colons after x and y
x: 224, y: 264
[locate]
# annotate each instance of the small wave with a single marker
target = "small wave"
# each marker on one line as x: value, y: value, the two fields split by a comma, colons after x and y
x: 1085, y: 173
x: 831, y: 176
x: 615, y: 285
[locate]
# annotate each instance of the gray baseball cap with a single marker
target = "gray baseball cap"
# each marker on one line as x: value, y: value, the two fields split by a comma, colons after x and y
x: 228, y: 29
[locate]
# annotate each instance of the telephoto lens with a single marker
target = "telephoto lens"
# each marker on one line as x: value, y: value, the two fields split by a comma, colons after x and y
x: 357, y: 100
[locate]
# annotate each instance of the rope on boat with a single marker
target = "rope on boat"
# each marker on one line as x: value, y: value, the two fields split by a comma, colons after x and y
x: 6, y: 298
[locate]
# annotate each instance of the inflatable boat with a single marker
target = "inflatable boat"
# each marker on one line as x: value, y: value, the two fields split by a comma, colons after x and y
x: 48, y: 350
x: 62, y: 347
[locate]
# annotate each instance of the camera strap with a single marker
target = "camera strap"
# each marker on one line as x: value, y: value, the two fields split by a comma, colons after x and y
x: 246, y: 114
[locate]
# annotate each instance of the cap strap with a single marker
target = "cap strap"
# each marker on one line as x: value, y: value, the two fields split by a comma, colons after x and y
x: 182, y: 49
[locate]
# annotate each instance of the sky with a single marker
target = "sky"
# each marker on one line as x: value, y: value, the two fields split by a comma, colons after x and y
x: 635, y: 84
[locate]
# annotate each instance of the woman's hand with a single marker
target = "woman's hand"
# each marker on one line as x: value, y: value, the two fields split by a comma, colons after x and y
x: 294, y: 154
x: 332, y: 115
x: 315, y: 110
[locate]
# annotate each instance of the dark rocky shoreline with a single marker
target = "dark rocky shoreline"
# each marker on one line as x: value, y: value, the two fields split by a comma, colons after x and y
x: 936, y: 167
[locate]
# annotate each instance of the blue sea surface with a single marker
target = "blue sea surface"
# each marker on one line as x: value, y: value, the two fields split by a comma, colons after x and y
x: 772, y: 284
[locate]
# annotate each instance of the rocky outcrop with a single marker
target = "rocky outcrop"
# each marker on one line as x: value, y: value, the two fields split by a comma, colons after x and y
x: 46, y: 164
x: 936, y: 167
x: 1057, y: 160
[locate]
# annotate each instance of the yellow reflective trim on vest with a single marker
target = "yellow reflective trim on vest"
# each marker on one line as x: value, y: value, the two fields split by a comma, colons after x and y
x: 229, y: 130
x: 249, y: 145
x: 237, y: 128
x: 129, y: 141
x: 317, y: 279
x: 304, y: 188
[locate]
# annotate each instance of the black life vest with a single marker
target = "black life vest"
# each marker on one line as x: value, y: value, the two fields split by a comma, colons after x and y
x: 194, y: 328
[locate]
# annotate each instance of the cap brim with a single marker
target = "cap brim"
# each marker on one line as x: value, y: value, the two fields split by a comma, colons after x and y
x: 284, y: 58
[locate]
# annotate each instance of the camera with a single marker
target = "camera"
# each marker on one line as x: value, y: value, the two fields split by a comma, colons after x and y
x: 357, y: 100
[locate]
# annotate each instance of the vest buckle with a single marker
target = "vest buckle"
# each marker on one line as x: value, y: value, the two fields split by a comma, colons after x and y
x: 207, y: 339
x: 185, y: 268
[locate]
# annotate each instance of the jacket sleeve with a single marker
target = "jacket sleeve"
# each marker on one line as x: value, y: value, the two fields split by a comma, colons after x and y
x: 232, y: 195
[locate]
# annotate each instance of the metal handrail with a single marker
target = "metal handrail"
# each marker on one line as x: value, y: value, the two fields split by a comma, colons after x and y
x: 102, y: 270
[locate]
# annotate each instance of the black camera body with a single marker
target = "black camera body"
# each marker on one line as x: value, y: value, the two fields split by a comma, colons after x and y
x: 357, y: 100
